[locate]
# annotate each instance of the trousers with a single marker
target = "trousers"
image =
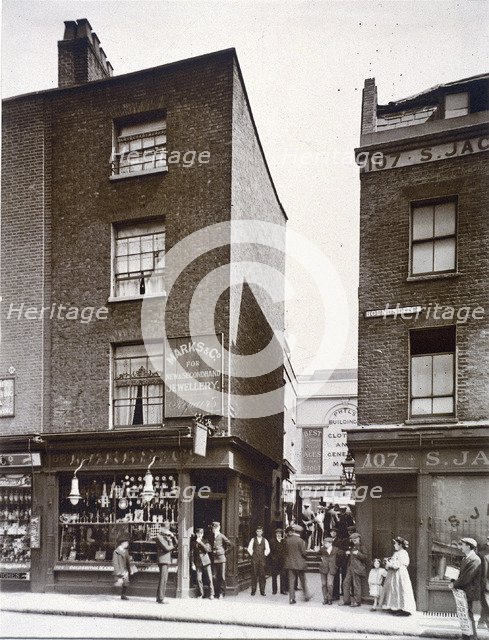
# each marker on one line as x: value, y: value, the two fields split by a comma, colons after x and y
x: 301, y: 575
x: 258, y: 575
x: 327, y: 580
x: 352, y: 580
x: 160, y: 594
x: 200, y: 583
x: 219, y: 570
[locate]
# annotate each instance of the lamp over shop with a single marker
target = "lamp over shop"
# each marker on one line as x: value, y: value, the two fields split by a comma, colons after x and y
x: 75, y: 496
x: 148, y: 491
x: 348, y: 468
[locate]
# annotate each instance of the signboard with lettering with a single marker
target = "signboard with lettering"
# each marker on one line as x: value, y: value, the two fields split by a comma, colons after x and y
x: 191, y: 384
x: 336, y: 449
x: 436, y: 460
x: 20, y: 460
x: 6, y: 397
x: 15, y: 480
x: 312, y: 450
x: 15, y: 575
x: 392, y: 312
x: 35, y: 532
x: 380, y: 161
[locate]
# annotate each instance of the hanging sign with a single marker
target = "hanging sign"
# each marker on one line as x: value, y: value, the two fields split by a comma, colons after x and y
x: 35, y: 532
x: 20, y: 460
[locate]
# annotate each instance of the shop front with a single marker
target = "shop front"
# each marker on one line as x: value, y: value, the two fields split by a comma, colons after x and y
x: 89, y: 497
x: 430, y: 488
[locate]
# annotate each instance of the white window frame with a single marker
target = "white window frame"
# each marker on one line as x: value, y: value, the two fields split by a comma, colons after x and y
x: 144, y: 273
x: 148, y: 132
x: 412, y: 242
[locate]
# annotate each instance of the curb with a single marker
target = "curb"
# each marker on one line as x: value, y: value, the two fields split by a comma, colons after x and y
x: 425, y: 633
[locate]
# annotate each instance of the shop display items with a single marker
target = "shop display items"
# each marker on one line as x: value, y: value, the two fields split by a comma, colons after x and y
x: 15, y: 517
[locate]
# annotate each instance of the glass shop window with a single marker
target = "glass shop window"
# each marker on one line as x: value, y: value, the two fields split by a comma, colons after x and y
x: 244, y: 528
x: 15, y: 518
x: 111, y: 506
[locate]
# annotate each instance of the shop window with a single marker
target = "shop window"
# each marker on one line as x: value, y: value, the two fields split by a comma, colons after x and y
x: 244, y: 530
x: 433, y: 237
x: 139, y: 259
x: 110, y: 506
x: 432, y: 372
x: 6, y: 397
x: 138, y: 388
x: 140, y: 146
x: 459, y: 510
x: 456, y: 105
x: 15, y: 520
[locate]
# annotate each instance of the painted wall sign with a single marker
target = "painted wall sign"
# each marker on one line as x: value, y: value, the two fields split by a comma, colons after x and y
x: 15, y: 480
x: 193, y: 387
x: 380, y: 161
x: 335, y: 446
x: 20, y: 460
x: 437, y: 460
x: 312, y: 450
x: 7, y: 397
x: 15, y: 575
x: 35, y: 532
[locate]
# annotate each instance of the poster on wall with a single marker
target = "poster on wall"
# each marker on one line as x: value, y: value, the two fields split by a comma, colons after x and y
x: 335, y: 447
x: 312, y: 450
x: 191, y: 384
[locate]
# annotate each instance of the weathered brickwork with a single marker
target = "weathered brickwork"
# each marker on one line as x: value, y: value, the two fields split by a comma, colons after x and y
x: 384, y: 268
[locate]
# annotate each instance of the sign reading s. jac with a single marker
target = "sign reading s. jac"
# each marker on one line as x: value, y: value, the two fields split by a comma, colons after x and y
x: 191, y: 385
x: 369, y: 161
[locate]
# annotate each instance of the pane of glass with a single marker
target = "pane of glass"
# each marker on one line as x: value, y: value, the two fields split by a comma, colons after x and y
x: 127, y: 288
x: 122, y: 367
x: 444, y: 259
x: 456, y: 101
x: 422, y: 222
x: 443, y: 405
x: 422, y: 257
x: 121, y: 265
x: 146, y: 166
x: 160, y: 140
x: 123, y: 168
x: 421, y: 407
x: 130, y: 351
x: 445, y: 219
x: 421, y: 375
x: 123, y: 147
x: 147, y: 262
x: 159, y: 241
x: 155, y: 284
x: 134, y: 263
x: 138, y: 364
x: 146, y: 244
x: 135, y: 145
x: 148, y: 143
x: 121, y: 247
x: 443, y: 375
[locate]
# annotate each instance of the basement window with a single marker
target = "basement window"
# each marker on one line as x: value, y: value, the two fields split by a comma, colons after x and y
x: 139, y: 146
x: 432, y: 372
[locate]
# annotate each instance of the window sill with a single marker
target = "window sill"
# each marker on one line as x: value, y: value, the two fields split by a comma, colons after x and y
x: 432, y: 420
x: 136, y: 298
x: 432, y: 276
x: 137, y: 174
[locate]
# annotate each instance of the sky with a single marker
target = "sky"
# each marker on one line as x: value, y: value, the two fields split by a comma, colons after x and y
x: 304, y: 64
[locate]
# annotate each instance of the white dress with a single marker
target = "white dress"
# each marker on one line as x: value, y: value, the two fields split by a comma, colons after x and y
x: 398, y: 591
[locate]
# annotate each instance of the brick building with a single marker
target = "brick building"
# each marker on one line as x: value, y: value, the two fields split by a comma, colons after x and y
x: 101, y: 178
x: 423, y: 374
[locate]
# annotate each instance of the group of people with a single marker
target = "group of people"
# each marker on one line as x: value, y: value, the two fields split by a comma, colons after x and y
x: 207, y: 558
x: 317, y: 524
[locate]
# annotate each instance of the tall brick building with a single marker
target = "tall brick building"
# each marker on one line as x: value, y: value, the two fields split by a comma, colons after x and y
x: 423, y: 367
x: 101, y: 177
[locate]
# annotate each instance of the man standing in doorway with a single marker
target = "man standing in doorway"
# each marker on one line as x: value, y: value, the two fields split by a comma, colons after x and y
x: 356, y: 572
x: 165, y: 543
x: 201, y: 562
x: 295, y: 562
x: 258, y: 549
x: 469, y: 579
x: 220, y: 546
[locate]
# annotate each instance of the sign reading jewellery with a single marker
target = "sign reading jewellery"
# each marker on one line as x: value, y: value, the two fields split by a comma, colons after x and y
x: 192, y: 385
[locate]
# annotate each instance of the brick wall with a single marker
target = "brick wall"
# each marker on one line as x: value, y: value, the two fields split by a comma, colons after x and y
x: 384, y: 264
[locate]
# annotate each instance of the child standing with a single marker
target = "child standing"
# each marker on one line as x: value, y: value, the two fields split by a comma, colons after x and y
x: 121, y: 561
x: 376, y: 579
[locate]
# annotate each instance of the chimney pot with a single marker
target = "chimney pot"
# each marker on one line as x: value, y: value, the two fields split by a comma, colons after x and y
x: 70, y: 30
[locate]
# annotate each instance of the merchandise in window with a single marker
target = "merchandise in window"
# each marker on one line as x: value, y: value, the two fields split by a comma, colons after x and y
x: 112, y: 506
x: 433, y: 371
x: 15, y: 518
x: 139, y: 259
x: 140, y: 147
x: 138, y: 388
x: 433, y: 234
x: 244, y: 529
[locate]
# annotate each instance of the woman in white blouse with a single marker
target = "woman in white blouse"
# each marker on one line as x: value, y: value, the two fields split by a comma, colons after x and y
x: 398, y: 593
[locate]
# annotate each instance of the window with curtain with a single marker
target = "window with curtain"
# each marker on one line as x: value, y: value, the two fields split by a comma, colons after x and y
x: 432, y: 372
x: 140, y: 146
x: 138, y: 388
x: 433, y: 237
x: 139, y: 259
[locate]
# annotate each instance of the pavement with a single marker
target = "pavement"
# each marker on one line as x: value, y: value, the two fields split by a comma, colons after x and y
x: 271, y: 611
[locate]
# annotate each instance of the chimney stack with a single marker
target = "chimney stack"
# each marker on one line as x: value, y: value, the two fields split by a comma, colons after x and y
x: 81, y: 59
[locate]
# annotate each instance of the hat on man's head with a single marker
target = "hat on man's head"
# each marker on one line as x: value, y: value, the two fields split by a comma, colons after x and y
x: 297, y: 528
x: 355, y: 536
x: 216, y: 524
x: 328, y: 540
x: 279, y: 530
x: 199, y: 530
x: 123, y: 538
x: 470, y: 541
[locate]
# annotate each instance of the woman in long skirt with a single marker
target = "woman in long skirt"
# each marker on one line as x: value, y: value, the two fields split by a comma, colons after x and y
x: 398, y: 593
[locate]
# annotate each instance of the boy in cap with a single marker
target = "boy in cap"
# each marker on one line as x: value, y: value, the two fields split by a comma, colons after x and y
x: 469, y: 579
x: 201, y: 562
x: 166, y: 541
x: 327, y: 569
x: 220, y: 546
x: 355, y: 572
x: 121, y: 563
x: 277, y: 550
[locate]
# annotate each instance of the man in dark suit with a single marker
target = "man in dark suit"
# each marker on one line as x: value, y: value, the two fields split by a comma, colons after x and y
x: 165, y: 543
x: 201, y: 562
x: 355, y: 572
x: 469, y: 579
x: 276, y: 558
x: 341, y: 547
x: 295, y: 562
x: 327, y: 569
x: 220, y: 546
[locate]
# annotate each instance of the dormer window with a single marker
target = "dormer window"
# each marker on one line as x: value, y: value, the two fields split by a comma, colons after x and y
x: 456, y: 104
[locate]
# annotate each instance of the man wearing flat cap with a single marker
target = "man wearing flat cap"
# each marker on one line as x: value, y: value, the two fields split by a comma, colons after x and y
x: 469, y: 579
x: 355, y: 572
x: 327, y: 569
x: 276, y: 559
x: 295, y: 562
x: 220, y: 546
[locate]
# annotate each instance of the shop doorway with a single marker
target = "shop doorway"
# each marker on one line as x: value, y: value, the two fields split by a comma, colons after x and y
x: 395, y: 516
x: 207, y: 511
